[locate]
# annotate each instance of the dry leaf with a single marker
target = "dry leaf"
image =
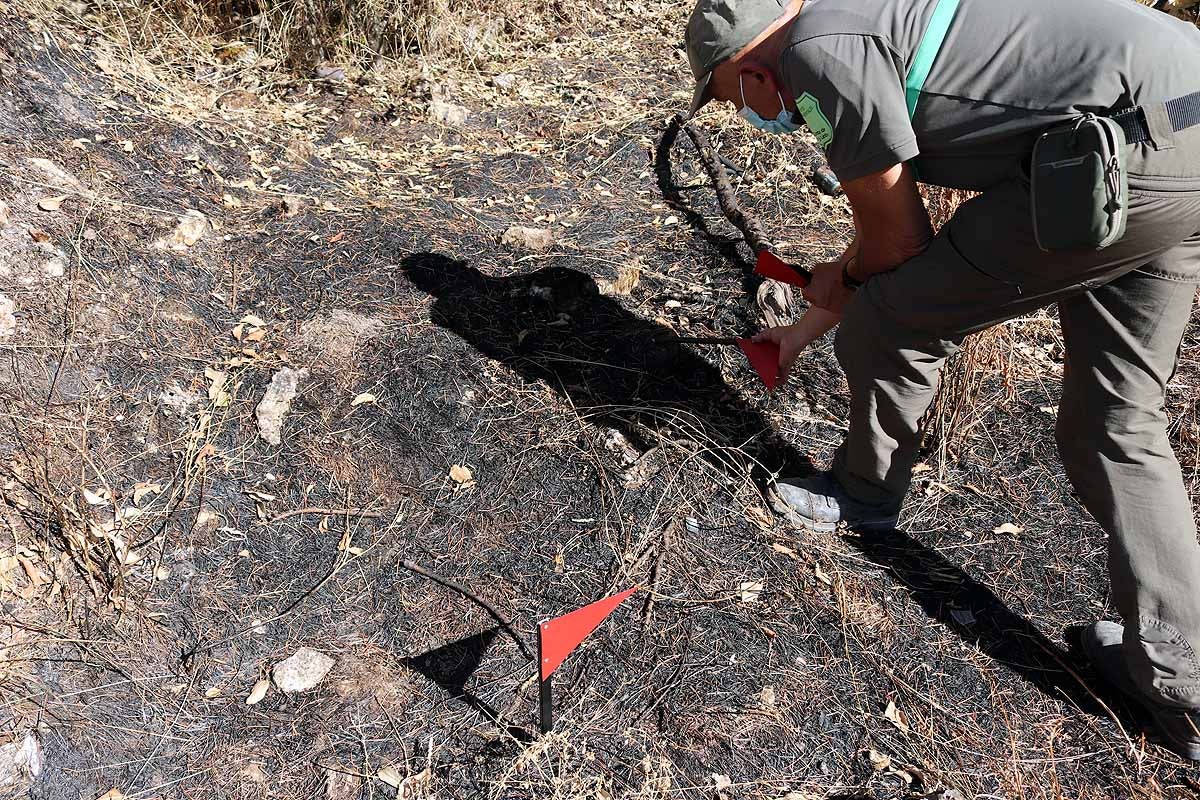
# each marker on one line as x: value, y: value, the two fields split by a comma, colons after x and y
x: 414, y: 786
x: 779, y: 548
x: 51, y: 203
x: 216, y: 389
x: 893, y: 715
x: 212, y: 692
x: 762, y: 519
x: 140, y: 490
x: 258, y: 692
x: 722, y: 782
x: 821, y: 576
x: 36, y: 578
x: 391, y: 776
x: 162, y: 572
x: 461, y: 475
x: 100, y: 498
x: 750, y: 590
x: 367, y: 397
x: 1008, y: 527
x: 879, y: 761
x: 112, y: 794
x: 767, y: 696
x: 39, y: 235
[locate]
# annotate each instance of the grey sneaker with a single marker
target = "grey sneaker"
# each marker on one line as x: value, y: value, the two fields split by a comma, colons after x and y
x: 819, y: 503
x: 1178, y: 726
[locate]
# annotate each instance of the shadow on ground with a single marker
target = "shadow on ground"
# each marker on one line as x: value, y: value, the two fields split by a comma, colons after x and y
x: 452, y: 665
x: 553, y: 325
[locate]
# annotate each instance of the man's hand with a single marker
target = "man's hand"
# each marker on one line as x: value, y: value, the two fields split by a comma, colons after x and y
x: 792, y: 339
x: 826, y: 289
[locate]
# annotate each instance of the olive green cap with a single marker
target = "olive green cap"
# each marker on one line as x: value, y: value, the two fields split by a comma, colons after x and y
x: 718, y: 30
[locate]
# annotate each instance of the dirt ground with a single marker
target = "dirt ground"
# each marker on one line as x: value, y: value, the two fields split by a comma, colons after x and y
x: 173, y: 236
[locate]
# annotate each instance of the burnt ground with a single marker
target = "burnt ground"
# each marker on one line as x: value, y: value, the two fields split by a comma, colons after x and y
x: 149, y: 582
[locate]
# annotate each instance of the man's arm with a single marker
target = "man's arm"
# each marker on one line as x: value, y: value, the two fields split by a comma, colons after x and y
x: 892, y: 226
x: 890, y: 219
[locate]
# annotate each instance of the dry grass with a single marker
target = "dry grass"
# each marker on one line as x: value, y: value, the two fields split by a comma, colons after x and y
x: 303, y: 34
x: 598, y: 462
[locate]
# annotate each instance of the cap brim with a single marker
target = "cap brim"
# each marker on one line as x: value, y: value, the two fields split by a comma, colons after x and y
x: 700, y: 96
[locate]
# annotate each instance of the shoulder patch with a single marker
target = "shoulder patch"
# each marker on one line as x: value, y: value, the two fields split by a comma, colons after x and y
x: 817, y: 122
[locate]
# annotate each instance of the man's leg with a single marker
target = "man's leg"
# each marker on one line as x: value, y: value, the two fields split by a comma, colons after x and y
x: 1122, y: 343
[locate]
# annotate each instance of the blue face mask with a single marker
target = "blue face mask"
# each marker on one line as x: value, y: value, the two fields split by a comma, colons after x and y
x: 782, y: 123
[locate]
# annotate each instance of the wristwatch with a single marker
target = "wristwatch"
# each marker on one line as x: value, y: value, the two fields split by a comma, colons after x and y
x: 848, y: 280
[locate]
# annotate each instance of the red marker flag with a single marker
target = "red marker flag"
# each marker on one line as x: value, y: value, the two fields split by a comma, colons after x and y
x: 771, y: 266
x: 559, y: 636
x: 764, y: 357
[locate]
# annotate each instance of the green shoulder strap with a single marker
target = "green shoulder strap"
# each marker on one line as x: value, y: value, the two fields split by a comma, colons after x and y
x: 927, y: 52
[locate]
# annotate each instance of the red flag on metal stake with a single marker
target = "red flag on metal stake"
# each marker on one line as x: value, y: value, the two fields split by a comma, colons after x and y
x: 558, y: 637
x: 772, y: 266
x: 764, y: 357
x: 563, y: 634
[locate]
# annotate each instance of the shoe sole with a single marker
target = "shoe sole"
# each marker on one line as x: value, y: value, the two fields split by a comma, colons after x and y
x: 1187, y: 749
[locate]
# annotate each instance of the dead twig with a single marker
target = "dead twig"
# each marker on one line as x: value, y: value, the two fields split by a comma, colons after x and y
x: 774, y: 300
x: 412, y: 566
x: 750, y: 227
x: 331, y: 512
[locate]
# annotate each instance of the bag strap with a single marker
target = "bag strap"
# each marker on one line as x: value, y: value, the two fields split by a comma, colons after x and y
x: 927, y: 50
x: 1183, y: 112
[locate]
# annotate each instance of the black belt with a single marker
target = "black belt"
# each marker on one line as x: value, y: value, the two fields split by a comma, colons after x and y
x: 1183, y: 112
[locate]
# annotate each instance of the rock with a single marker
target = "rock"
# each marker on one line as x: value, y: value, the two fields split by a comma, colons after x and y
x: 8, y: 317
x: 191, y: 228
x: 338, y: 334
x: 539, y: 240
x: 57, y: 175
x: 450, y: 114
x: 56, y: 267
x: 505, y: 81
x: 335, y: 74
x: 238, y: 100
x: 341, y: 785
x: 293, y: 205
x: 177, y: 400
x: 302, y: 670
x: 20, y: 762
x: 276, y: 402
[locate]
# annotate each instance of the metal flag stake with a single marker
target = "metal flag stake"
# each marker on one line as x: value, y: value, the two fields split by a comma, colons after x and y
x: 558, y: 637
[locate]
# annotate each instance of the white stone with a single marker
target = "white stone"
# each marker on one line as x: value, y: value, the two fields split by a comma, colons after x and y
x: 538, y: 240
x: 8, y: 317
x: 450, y: 114
x: 190, y: 229
x: 20, y: 762
x: 177, y: 400
x: 276, y: 403
x: 302, y: 670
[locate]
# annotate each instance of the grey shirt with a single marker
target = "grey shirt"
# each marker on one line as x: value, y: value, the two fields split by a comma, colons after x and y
x: 1006, y: 70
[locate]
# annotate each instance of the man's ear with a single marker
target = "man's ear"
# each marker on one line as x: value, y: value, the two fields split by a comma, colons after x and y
x: 753, y: 71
